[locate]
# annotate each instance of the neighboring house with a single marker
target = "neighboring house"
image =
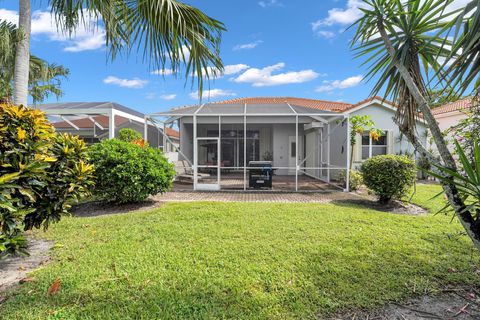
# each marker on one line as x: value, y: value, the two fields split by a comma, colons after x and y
x: 451, y: 113
x: 301, y: 138
x: 95, y: 121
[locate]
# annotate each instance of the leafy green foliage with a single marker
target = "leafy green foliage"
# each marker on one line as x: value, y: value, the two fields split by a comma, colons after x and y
x: 129, y: 135
x: 69, y: 178
x: 126, y: 172
x: 356, y: 179
x: 468, y: 182
x: 44, y: 78
x: 389, y: 176
x: 41, y: 174
x: 214, y: 260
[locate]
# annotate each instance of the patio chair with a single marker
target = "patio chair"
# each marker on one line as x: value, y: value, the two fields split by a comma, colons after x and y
x: 185, y: 172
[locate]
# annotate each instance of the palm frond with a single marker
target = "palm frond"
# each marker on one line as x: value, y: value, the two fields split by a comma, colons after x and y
x: 169, y: 33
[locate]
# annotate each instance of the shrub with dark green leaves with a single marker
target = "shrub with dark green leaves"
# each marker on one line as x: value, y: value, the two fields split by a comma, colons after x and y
x: 389, y: 176
x: 126, y: 172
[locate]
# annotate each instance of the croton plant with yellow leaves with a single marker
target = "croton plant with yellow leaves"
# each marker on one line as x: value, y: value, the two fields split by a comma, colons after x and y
x: 42, y: 173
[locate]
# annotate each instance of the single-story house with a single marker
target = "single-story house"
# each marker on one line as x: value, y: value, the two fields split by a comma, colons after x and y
x: 95, y: 121
x: 305, y: 141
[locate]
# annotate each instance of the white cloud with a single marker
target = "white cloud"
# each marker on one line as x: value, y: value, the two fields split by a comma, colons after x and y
x: 213, y: 93
x: 9, y: 15
x: 351, y: 13
x: 234, y: 68
x: 168, y: 96
x: 264, y: 77
x: 227, y: 70
x: 160, y: 72
x: 325, y: 34
x: 247, y: 46
x: 343, y: 16
x: 89, y: 37
x: 270, y: 3
x: 329, y: 86
x: 134, y: 83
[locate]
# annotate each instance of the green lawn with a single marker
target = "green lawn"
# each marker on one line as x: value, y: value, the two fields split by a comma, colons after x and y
x: 244, y: 260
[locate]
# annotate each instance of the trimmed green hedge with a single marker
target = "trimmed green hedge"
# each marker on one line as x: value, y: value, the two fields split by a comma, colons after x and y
x: 389, y: 176
x: 126, y: 172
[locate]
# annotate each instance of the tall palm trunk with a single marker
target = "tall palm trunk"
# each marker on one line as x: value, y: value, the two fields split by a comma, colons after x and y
x: 22, y: 55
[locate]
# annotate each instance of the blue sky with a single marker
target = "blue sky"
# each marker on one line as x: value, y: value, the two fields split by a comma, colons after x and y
x: 271, y: 48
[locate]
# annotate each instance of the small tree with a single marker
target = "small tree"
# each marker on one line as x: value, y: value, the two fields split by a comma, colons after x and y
x: 129, y: 135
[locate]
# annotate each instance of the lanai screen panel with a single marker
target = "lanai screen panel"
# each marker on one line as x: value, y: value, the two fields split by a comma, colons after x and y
x: 269, y: 109
x: 221, y: 109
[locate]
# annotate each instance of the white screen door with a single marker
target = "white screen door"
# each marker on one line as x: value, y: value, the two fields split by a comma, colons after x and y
x: 208, y: 167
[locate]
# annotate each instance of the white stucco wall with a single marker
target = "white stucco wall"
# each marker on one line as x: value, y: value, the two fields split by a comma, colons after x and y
x: 450, y: 119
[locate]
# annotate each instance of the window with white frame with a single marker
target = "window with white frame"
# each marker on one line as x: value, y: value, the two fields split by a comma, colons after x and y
x: 371, y: 147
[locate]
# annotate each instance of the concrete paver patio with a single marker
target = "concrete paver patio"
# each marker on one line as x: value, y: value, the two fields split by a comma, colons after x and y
x: 286, y: 197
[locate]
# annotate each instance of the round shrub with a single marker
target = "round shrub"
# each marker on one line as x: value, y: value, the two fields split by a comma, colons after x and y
x: 389, y: 176
x: 126, y: 172
x: 356, y: 179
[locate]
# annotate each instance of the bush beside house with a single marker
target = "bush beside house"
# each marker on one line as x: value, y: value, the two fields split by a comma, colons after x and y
x: 129, y: 171
x: 389, y: 176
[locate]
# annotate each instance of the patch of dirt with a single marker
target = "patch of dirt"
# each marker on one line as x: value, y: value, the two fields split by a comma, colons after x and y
x: 98, y: 208
x: 14, y: 269
x: 397, y: 207
x: 455, y: 303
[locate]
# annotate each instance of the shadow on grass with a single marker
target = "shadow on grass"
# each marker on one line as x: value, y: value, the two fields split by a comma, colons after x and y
x: 99, y: 208
x: 394, y: 206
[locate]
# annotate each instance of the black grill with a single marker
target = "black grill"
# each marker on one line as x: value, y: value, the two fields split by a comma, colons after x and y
x: 260, y: 174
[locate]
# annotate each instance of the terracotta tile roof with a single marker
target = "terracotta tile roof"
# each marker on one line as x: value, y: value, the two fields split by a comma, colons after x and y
x: 86, y: 123
x: 461, y: 104
x: 303, y: 102
x: 172, y: 133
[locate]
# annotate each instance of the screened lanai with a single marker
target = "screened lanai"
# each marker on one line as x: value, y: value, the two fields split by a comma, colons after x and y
x: 259, y: 147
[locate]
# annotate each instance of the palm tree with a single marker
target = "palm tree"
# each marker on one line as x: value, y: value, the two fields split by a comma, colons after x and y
x: 44, y: 78
x: 403, y: 43
x: 169, y: 34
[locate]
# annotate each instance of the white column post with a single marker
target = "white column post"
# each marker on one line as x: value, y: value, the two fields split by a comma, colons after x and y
x: 347, y: 174
x: 195, y: 153
x: 145, y: 128
x: 219, y: 150
x: 328, y: 152
x: 296, y: 153
x: 111, y: 124
x: 164, y: 138
x: 245, y: 148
